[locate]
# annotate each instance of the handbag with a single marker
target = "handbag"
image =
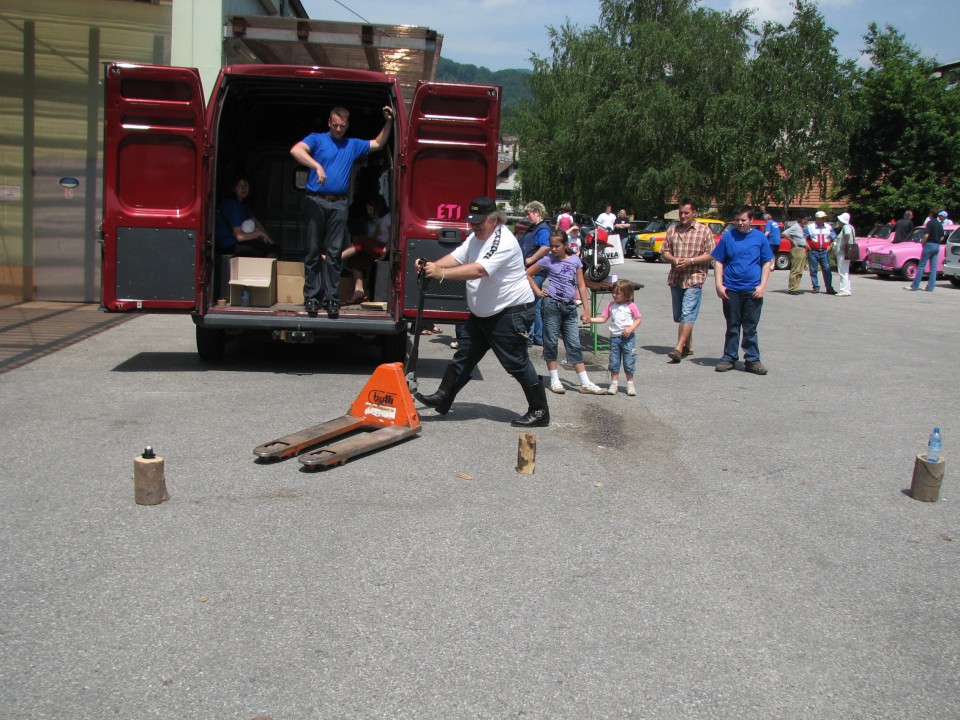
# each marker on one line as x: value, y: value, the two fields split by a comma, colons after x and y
x: 852, y: 251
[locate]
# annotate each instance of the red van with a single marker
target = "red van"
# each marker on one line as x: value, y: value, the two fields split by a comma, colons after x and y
x: 169, y: 158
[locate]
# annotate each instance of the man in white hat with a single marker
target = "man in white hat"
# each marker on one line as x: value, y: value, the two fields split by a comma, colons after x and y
x: 845, y: 239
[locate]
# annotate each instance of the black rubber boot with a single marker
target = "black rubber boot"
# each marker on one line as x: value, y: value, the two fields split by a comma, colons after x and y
x: 538, y: 413
x: 442, y: 399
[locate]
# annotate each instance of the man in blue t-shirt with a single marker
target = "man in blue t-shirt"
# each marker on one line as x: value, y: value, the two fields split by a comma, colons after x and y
x: 744, y: 261
x: 330, y: 157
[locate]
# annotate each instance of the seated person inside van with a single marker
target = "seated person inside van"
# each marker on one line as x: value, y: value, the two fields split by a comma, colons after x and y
x: 370, y: 247
x: 238, y: 232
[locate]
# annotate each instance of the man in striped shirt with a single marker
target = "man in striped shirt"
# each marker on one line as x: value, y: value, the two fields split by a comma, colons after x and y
x: 687, y: 248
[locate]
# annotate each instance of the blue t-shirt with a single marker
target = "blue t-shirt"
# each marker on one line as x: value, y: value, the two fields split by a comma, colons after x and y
x: 562, y: 275
x: 773, y: 232
x: 230, y: 214
x: 337, y: 158
x: 743, y: 256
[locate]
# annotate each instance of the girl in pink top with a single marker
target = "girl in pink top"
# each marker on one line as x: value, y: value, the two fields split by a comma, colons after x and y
x: 624, y: 319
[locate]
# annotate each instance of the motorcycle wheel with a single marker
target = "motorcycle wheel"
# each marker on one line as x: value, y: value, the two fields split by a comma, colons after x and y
x: 598, y: 271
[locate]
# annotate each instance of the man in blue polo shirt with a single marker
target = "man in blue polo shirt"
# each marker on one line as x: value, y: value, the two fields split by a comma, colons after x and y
x: 744, y: 261
x: 330, y: 157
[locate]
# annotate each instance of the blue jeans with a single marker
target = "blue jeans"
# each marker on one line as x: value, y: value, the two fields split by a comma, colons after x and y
x: 536, y: 329
x: 623, y: 350
x: 928, y: 254
x: 821, y: 258
x: 742, y: 312
x: 561, y: 317
x: 686, y: 303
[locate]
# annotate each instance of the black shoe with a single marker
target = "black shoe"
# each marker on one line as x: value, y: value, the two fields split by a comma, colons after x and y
x: 794, y: 292
x: 755, y: 367
x: 312, y: 306
x: 442, y: 399
x: 333, y: 311
x: 831, y: 291
x: 538, y: 413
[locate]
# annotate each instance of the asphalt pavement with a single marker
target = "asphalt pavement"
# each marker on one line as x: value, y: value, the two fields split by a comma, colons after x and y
x: 720, y: 546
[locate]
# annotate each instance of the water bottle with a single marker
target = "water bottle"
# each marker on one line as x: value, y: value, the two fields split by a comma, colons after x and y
x: 245, y: 298
x: 933, y: 447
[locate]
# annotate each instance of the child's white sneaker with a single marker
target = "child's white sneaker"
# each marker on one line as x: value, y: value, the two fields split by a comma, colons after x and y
x: 591, y: 389
x: 557, y: 387
x: 631, y: 389
x: 614, y: 386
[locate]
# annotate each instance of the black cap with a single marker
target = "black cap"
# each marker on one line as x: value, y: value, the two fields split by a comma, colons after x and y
x: 480, y: 209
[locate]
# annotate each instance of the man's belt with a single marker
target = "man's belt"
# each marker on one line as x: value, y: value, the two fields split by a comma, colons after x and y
x: 331, y: 198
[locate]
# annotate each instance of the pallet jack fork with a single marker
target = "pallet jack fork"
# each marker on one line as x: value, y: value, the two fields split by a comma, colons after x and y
x: 383, y: 413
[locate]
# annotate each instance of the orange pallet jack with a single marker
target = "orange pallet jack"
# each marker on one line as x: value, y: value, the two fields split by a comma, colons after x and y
x: 382, y: 414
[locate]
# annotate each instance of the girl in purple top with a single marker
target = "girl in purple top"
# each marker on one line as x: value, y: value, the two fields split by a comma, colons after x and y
x: 565, y: 275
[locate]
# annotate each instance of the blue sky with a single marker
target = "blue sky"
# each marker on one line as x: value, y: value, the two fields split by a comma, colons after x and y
x: 503, y: 34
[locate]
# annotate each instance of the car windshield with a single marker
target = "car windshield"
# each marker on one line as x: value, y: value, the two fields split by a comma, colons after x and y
x: 881, y: 231
x: 654, y: 226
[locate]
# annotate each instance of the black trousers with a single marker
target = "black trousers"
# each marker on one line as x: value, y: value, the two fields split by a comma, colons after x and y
x: 506, y: 334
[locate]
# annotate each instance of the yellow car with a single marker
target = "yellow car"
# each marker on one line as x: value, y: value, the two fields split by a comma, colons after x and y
x: 648, y: 244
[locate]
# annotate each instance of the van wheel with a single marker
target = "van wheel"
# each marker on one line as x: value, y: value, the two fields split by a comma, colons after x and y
x: 393, y: 348
x: 782, y: 261
x: 955, y: 281
x: 909, y: 270
x: 210, y: 344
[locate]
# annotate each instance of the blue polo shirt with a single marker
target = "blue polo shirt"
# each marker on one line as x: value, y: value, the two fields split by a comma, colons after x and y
x: 743, y: 256
x: 337, y: 157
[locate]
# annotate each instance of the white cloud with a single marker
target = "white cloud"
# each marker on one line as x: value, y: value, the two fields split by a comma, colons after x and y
x: 779, y: 10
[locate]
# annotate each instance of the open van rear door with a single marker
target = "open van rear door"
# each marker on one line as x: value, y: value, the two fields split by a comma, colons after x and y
x: 153, y: 199
x: 451, y: 158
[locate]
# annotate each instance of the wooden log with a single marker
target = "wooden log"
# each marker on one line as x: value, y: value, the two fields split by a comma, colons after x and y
x: 527, y: 454
x: 149, y: 483
x: 927, y: 477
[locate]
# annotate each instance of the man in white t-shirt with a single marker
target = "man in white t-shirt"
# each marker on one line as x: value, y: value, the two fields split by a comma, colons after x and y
x: 607, y: 219
x: 501, y: 306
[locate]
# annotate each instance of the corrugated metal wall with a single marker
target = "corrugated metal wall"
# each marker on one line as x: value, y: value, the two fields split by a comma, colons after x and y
x: 51, y: 116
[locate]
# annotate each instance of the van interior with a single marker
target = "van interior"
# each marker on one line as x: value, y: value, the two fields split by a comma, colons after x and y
x: 260, y: 119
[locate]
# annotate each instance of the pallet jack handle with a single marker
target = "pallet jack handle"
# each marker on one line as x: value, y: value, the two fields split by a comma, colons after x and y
x: 410, y: 369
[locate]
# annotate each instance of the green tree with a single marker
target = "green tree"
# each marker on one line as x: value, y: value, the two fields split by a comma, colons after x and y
x: 637, y: 109
x: 906, y: 153
x: 805, y: 111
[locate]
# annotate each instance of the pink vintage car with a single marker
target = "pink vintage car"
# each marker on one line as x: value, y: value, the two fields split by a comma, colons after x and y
x: 878, y: 235
x: 904, y: 258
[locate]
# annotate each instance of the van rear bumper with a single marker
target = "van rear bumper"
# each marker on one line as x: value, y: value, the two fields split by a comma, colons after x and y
x: 320, y: 324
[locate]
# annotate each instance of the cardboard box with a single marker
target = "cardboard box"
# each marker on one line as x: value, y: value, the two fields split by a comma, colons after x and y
x: 256, y: 275
x: 290, y: 282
